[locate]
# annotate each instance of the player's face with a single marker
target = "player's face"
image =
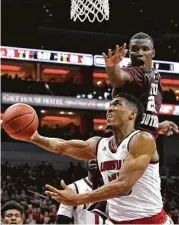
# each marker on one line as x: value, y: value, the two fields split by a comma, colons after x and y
x: 92, y: 166
x: 13, y: 216
x: 141, y: 52
x: 119, y: 113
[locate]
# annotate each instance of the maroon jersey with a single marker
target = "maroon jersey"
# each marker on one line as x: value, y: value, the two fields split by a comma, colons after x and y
x: 146, y: 87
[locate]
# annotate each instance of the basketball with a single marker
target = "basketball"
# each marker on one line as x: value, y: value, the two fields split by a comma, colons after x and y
x: 20, y: 121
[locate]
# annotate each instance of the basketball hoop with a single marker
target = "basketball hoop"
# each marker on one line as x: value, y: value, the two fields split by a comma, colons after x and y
x: 90, y: 9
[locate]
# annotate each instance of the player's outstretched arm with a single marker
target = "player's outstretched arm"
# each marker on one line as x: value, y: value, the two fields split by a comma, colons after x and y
x: 116, y: 75
x: 141, y: 149
x: 78, y: 149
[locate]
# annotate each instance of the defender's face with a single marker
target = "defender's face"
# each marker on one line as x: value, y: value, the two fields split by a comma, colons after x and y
x: 92, y: 165
x: 13, y: 216
x: 119, y: 113
x: 141, y: 52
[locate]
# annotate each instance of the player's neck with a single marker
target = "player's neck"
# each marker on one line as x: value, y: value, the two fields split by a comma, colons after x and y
x: 90, y: 177
x: 146, y: 68
x: 123, y: 132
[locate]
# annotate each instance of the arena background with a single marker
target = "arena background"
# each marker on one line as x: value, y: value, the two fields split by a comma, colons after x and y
x: 69, y: 89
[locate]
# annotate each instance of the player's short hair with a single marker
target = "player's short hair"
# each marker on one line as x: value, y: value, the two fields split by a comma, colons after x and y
x: 134, y: 102
x: 142, y: 35
x: 11, y: 205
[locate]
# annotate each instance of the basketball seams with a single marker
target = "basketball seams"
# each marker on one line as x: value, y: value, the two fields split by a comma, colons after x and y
x: 17, y: 117
x: 25, y: 126
x: 20, y: 121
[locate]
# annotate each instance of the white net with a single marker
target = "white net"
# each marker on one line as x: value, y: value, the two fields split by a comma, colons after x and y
x: 90, y: 9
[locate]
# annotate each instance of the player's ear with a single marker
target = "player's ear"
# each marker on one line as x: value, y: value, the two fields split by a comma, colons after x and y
x: 132, y: 115
x: 153, y: 53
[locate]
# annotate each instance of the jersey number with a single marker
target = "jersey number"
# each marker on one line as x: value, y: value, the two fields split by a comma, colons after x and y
x: 151, y: 104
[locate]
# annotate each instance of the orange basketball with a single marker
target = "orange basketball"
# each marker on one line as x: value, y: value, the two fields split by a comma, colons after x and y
x: 20, y: 121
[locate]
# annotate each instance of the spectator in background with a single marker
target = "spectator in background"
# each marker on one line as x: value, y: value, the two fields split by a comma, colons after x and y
x: 46, y: 218
x: 30, y: 219
x: 20, y: 174
x: 175, y: 216
x: 12, y: 213
x: 53, y: 213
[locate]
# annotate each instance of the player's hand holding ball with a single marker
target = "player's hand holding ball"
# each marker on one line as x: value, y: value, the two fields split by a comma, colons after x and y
x: 20, y: 121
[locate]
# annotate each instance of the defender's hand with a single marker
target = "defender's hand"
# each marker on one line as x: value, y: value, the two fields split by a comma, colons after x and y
x: 114, y: 58
x: 168, y: 128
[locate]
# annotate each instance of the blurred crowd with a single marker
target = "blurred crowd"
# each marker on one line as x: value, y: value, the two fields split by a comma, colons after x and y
x: 26, y: 185
x: 68, y: 88
x: 170, y: 187
x: 71, y: 131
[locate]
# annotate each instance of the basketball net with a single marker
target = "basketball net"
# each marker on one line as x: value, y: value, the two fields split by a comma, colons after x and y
x: 90, y: 9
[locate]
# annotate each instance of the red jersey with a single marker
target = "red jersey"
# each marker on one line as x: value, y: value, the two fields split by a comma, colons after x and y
x: 146, y: 87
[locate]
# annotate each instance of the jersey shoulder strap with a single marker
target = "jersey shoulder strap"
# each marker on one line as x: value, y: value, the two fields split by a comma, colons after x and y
x: 77, y: 191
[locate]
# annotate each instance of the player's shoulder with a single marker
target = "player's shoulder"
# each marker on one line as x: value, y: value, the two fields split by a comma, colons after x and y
x: 133, y: 68
x: 142, y: 141
x: 136, y: 73
x: 95, y: 138
x: 72, y: 186
x: 155, y: 71
x: 94, y: 141
x: 80, y: 182
x: 76, y: 184
x: 81, y: 185
x: 104, y: 140
x: 143, y: 136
